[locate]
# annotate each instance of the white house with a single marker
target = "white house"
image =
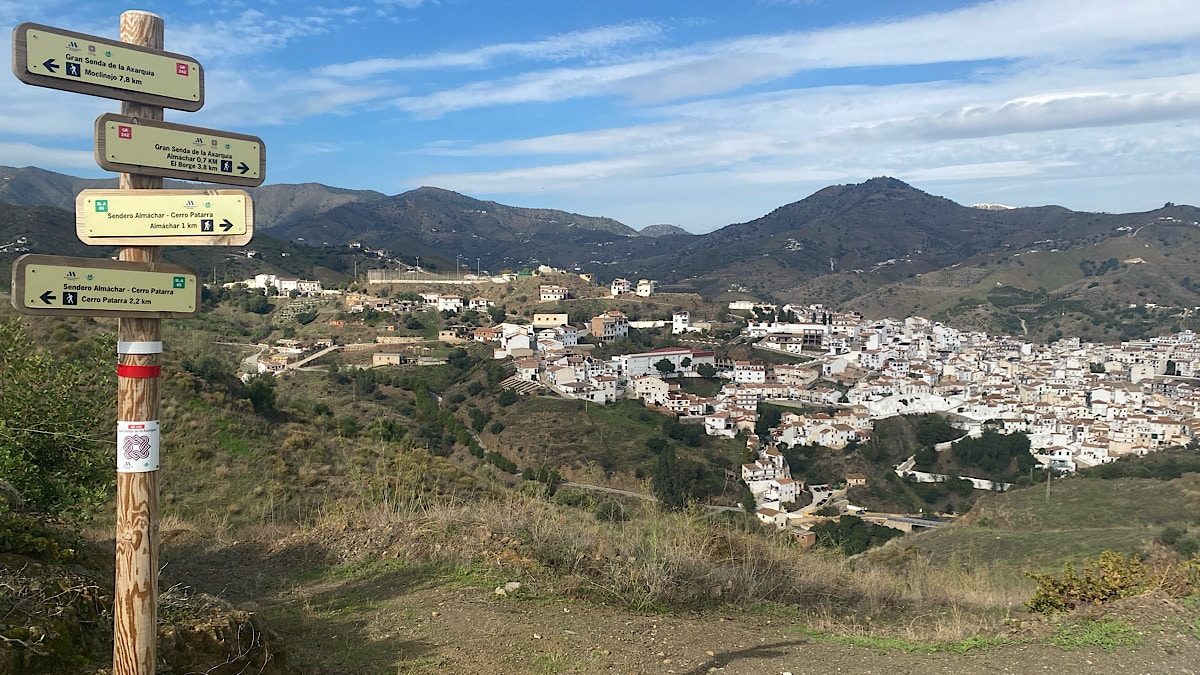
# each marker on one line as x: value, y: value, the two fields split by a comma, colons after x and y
x: 652, y: 390
x: 720, y: 424
x: 527, y: 369
x: 636, y: 365
x: 449, y: 303
x: 548, y: 293
x: 681, y: 322
x: 745, y: 372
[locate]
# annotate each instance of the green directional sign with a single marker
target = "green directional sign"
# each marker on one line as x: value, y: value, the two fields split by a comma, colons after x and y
x: 61, y: 59
x: 62, y: 286
x: 132, y: 145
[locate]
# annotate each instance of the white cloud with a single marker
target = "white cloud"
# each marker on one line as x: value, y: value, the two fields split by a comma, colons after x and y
x: 1013, y: 30
x: 406, y: 4
x: 28, y: 154
x: 577, y: 44
x: 250, y: 32
x: 533, y: 178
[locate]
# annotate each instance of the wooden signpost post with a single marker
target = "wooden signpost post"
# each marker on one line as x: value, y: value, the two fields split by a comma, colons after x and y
x: 138, y: 288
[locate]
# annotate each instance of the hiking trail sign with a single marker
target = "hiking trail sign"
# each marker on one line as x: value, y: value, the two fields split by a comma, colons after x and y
x: 63, y: 286
x: 85, y: 64
x: 153, y: 147
x: 164, y: 217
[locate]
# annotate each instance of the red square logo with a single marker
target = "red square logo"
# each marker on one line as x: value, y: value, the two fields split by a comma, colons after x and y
x: 124, y: 131
x: 181, y: 69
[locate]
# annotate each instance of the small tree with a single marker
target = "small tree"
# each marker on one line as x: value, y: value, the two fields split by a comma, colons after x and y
x: 53, y: 417
x: 261, y: 392
x: 926, y: 457
x: 665, y: 366
x: 707, y: 370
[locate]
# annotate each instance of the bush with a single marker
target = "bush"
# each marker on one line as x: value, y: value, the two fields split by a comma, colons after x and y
x: 261, y: 392
x: 53, y: 415
x: 507, y: 398
x: 1171, y: 534
x: 25, y: 534
x: 852, y: 535
x: 611, y: 511
x: 1108, y: 577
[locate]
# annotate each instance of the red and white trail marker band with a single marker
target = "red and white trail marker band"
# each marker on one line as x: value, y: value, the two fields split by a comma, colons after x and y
x: 138, y: 372
x: 152, y: 347
x: 137, y: 446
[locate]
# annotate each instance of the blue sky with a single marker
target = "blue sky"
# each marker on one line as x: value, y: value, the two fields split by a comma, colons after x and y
x: 697, y: 113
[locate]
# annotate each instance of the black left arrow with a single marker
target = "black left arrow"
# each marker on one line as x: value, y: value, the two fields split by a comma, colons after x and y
x: 47, y: 297
x: 50, y: 65
x: 242, y: 167
x: 226, y: 225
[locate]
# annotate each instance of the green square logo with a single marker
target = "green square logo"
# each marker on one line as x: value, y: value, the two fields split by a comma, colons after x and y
x: 179, y: 282
x: 101, y: 206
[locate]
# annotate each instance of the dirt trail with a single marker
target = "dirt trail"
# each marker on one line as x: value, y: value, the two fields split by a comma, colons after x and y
x: 395, y: 620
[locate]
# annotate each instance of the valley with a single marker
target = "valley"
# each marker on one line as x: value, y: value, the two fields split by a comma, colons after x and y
x: 363, y: 448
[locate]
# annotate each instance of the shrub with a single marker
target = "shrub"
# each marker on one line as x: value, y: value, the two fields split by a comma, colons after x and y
x: 610, y: 510
x: 26, y: 534
x: 1110, y: 576
x: 261, y: 392
x: 53, y: 416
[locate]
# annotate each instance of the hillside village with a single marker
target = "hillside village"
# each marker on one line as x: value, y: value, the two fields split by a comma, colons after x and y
x: 1080, y: 404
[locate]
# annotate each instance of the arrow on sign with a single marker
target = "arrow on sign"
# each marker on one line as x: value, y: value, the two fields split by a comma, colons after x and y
x: 226, y: 225
x: 243, y: 168
x: 50, y: 65
x: 46, y: 297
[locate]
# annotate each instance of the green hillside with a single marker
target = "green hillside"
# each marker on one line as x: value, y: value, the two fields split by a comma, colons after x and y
x: 1032, y: 529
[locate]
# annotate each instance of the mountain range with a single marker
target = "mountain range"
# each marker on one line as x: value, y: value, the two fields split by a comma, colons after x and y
x: 881, y: 246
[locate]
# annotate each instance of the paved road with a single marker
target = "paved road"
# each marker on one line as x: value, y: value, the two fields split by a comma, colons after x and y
x: 250, y: 363
x: 313, y: 357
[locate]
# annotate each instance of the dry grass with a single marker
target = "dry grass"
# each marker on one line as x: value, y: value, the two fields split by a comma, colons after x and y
x: 661, y: 561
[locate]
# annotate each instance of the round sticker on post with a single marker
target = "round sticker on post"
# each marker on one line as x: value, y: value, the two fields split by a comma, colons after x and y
x: 137, y: 446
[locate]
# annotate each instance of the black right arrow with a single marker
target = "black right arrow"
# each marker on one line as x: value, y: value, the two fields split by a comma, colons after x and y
x: 242, y: 167
x: 46, y: 297
x: 50, y: 65
x: 226, y: 225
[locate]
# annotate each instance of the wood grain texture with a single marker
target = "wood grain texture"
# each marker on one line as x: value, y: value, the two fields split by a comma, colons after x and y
x: 135, y: 611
